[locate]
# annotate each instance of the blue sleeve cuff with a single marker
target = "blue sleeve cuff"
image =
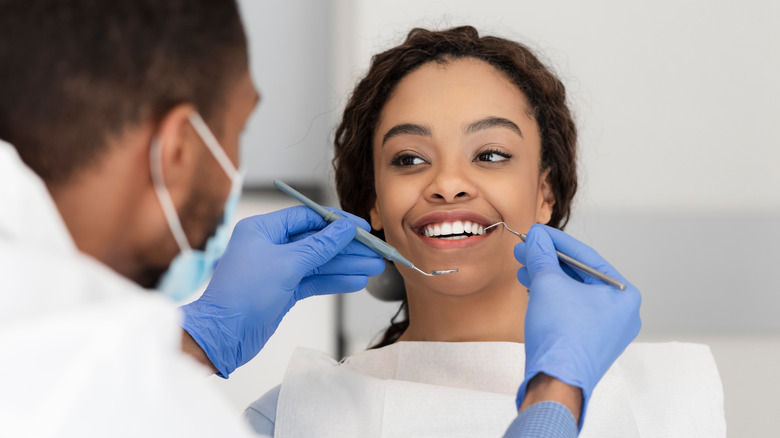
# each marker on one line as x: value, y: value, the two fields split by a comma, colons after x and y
x: 548, y: 419
x: 585, y: 394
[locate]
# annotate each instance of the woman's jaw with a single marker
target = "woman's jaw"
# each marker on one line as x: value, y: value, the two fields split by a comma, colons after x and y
x: 483, y: 301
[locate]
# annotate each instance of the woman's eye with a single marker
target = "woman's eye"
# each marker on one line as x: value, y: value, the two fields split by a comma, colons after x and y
x: 493, y: 156
x: 407, y: 160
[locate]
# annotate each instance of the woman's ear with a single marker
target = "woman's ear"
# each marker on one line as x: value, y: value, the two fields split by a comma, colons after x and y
x: 545, y: 198
x: 376, y: 217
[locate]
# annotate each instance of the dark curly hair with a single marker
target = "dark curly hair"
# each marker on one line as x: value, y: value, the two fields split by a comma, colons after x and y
x: 353, y: 159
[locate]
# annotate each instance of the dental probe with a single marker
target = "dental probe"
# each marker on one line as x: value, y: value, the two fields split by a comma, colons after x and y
x: 374, y: 243
x: 574, y: 263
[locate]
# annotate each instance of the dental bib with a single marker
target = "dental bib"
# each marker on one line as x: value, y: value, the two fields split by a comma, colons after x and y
x: 439, y: 389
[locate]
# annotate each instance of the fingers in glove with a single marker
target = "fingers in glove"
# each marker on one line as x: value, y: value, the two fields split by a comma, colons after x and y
x: 280, y: 225
x: 524, y: 277
x: 353, y: 248
x: 321, y: 247
x: 351, y: 265
x: 331, y: 284
x: 357, y: 220
x: 539, y: 251
x: 578, y: 250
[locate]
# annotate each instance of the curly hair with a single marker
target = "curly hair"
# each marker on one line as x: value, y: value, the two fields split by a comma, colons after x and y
x: 353, y: 158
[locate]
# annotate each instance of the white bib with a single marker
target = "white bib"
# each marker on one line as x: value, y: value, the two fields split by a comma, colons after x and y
x: 440, y: 389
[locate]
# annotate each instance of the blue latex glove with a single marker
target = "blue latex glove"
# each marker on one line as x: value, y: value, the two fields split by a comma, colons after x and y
x: 270, y: 263
x: 576, y: 326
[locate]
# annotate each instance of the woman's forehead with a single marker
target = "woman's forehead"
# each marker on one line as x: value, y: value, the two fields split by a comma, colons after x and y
x: 455, y: 94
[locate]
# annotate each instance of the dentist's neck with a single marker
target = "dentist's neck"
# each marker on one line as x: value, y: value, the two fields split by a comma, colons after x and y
x: 112, y: 213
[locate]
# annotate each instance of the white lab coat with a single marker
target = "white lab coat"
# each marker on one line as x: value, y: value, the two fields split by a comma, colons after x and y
x: 83, y: 351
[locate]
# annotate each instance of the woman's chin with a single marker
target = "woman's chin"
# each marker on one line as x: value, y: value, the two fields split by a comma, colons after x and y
x: 467, y: 281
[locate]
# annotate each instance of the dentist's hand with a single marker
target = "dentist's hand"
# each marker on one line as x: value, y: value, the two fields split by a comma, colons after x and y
x: 576, y: 326
x: 270, y: 263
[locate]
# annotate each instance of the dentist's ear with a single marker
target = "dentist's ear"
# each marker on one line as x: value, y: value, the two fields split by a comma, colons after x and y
x: 178, y: 155
x: 545, y: 198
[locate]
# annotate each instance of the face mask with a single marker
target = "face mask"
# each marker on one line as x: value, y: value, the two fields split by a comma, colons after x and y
x: 192, y: 268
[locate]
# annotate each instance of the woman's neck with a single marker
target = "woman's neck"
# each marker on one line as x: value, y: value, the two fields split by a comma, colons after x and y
x: 494, y: 314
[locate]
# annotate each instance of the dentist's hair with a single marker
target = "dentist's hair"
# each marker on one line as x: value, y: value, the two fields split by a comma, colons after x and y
x: 76, y: 73
x: 353, y: 160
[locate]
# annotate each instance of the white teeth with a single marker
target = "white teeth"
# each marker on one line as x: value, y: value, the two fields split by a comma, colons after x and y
x: 457, y: 227
x: 453, y: 230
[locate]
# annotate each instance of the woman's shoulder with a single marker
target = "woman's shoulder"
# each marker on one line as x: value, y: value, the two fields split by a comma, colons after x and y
x: 261, y: 414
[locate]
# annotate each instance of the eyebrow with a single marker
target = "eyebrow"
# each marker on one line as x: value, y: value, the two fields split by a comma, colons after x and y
x: 493, y: 122
x: 406, y: 129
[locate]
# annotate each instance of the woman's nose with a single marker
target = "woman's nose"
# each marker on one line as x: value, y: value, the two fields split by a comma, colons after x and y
x: 450, y: 183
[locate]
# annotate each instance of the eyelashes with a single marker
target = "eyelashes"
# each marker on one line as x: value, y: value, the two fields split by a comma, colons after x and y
x: 492, y: 155
x: 408, y: 159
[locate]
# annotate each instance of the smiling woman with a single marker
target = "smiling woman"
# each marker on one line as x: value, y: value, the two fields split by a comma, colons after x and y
x: 447, y: 134
x: 467, y: 164
x: 463, y: 130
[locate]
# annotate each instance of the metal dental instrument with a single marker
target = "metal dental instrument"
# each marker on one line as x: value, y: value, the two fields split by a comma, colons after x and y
x: 374, y: 243
x: 574, y: 263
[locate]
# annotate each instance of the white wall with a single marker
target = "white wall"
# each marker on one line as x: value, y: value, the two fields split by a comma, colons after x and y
x: 289, y: 48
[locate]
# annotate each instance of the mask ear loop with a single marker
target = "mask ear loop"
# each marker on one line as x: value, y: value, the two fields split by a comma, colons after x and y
x: 169, y: 210
x: 213, y: 144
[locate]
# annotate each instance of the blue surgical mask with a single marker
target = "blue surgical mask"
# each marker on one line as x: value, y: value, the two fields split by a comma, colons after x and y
x: 192, y: 268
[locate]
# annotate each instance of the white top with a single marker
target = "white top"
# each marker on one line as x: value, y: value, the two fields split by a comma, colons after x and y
x: 83, y: 351
x: 439, y: 389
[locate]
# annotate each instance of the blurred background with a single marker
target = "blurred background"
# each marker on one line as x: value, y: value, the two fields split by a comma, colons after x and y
x: 677, y: 105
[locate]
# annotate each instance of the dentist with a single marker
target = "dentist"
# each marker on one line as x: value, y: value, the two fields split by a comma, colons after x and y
x: 120, y: 125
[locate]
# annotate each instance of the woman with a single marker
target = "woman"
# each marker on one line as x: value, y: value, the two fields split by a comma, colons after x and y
x: 446, y: 135
x: 505, y: 172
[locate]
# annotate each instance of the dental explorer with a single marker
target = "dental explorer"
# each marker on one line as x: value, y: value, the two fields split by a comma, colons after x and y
x: 374, y: 243
x: 574, y: 263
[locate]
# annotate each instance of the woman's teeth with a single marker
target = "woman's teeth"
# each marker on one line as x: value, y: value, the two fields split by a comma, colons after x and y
x: 453, y: 230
